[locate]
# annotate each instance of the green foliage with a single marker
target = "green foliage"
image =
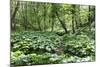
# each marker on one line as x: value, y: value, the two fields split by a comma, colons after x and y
x: 80, y: 45
x: 49, y: 33
x: 33, y: 48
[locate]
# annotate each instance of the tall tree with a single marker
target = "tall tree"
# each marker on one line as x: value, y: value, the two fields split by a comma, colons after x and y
x: 38, y: 16
x: 53, y: 16
x: 26, y: 19
x: 62, y: 22
x: 89, y: 18
x: 77, y: 18
x: 44, y: 15
x: 13, y: 23
x: 73, y: 18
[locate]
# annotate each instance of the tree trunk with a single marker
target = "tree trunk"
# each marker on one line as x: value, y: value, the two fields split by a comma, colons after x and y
x: 44, y: 17
x: 37, y: 17
x: 77, y: 18
x: 26, y: 19
x: 53, y: 16
x: 73, y: 18
x: 13, y: 23
x: 93, y: 15
x: 52, y: 24
x: 89, y: 18
x: 39, y: 24
x: 62, y: 23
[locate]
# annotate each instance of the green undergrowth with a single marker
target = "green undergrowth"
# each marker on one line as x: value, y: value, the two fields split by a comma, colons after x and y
x: 37, y: 48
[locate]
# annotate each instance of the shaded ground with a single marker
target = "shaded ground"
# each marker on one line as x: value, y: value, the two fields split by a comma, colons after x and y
x: 35, y: 48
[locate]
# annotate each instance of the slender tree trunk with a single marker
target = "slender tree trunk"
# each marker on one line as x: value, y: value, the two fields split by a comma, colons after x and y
x: 13, y: 27
x: 44, y: 17
x: 93, y: 14
x: 89, y: 18
x: 38, y: 18
x: 53, y: 16
x: 62, y: 23
x: 39, y: 25
x: 26, y: 22
x: 73, y: 18
x: 77, y: 18
x: 52, y: 24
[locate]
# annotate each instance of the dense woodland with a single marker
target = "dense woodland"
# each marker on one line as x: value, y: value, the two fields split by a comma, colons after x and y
x: 51, y: 33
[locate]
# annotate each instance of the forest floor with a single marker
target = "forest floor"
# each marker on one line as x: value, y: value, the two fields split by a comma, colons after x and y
x: 35, y: 48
